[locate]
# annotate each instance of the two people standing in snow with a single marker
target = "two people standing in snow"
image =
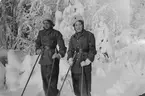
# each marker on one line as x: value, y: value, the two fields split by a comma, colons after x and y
x: 82, y: 43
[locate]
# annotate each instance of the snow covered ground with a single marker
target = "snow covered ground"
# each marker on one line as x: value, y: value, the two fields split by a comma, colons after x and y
x: 125, y: 77
x: 104, y: 82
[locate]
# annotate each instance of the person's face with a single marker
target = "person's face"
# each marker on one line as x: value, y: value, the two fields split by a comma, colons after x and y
x: 46, y: 24
x: 78, y: 26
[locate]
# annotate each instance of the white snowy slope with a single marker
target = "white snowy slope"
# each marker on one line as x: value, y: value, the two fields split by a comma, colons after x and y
x: 18, y: 72
x: 108, y: 79
x: 101, y: 85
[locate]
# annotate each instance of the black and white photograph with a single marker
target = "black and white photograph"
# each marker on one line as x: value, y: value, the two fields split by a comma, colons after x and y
x: 72, y: 47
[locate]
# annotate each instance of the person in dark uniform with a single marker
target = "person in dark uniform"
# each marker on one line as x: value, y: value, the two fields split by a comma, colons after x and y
x: 82, y: 44
x: 47, y: 40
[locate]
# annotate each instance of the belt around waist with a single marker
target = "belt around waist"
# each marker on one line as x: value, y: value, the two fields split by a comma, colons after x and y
x: 47, y: 47
x: 82, y: 50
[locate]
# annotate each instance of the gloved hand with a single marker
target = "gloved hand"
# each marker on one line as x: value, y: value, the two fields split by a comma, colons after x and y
x: 55, y: 55
x: 38, y: 51
x: 85, y: 63
x: 70, y: 61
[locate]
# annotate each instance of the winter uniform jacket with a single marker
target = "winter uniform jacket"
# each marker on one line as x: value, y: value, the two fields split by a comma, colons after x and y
x: 83, y: 44
x: 48, y: 39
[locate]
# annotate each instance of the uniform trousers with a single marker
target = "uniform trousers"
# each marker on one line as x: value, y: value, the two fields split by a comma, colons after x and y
x: 76, y: 79
x: 46, y: 73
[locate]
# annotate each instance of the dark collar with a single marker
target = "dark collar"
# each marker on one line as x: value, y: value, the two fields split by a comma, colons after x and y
x: 48, y: 31
x: 80, y: 34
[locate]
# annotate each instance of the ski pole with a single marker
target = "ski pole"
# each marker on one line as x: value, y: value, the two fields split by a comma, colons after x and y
x: 82, y: 81
x: 64, y: 81
x: 30, y: 74
x: 49, y: 82
x: 65, y: 77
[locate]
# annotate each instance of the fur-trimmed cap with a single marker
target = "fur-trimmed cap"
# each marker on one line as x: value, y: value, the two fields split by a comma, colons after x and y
x: 76, y: 18
x: 47, y: 17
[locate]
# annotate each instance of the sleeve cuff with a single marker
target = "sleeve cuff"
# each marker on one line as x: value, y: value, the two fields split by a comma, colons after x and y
x: 68, y: 57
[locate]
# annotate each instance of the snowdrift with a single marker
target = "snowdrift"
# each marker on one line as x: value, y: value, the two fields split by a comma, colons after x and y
x: 18, y: 70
